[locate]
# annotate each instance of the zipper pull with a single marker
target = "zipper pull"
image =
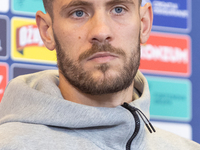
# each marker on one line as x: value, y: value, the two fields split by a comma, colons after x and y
x: 142, y: 116
x: 149, y: 123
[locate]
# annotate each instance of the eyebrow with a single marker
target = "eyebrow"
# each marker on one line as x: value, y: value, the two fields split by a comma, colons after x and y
x: 74, y: 3
x: 119, y: 1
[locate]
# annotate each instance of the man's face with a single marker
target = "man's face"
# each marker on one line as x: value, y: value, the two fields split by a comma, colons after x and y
x: 97, y: 43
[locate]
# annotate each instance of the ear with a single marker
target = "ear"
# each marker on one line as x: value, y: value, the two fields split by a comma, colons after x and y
x: 146, y: 16
x: 44, y: 24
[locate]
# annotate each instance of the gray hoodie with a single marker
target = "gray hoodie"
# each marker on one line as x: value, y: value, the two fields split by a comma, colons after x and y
x: 34, y: 116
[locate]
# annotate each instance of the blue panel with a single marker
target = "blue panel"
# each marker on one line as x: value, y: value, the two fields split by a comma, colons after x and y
x: 174, y: 15
x: 27, y: 6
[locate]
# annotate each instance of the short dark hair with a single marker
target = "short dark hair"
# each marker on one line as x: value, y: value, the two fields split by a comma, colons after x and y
x: 48, y: 5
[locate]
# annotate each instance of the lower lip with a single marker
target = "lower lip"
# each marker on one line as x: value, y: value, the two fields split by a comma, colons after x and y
x: 104, y: 59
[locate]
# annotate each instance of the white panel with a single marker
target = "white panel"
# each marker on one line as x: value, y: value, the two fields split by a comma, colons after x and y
x: 184, y: 130
x: 4, y: 5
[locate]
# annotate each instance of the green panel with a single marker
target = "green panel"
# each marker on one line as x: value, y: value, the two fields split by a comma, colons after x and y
x: 170, y: 98
x: 27, y: 6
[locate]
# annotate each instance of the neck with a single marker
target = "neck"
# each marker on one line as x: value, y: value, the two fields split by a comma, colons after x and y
x: 106, y: 100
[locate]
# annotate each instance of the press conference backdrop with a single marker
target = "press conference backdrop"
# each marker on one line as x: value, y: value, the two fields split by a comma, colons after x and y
x: 170, y: 59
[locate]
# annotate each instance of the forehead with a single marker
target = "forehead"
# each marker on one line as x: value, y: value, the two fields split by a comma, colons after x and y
x: 66, y: 2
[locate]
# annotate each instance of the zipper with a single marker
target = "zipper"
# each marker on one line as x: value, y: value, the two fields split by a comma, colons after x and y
x: 135, y: 111
x: 137, y: 124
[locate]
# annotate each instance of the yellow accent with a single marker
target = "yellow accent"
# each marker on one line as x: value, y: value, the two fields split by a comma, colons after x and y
x: 32, y: 54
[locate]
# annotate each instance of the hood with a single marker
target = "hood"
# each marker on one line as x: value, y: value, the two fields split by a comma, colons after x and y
x: 36, y: 98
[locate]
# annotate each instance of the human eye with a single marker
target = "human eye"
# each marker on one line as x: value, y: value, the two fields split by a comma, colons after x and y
x: 78, y: 14
x: 119, y: 10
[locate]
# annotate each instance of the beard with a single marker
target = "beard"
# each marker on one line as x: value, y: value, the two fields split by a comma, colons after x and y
x: 83, y: 80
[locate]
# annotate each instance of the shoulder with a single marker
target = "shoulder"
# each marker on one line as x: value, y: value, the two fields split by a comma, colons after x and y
x: 16, y: 135
x: 26, y: 136
x: 9, y: 137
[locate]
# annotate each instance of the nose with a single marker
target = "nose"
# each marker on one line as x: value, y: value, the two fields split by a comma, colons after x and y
x: 100, y: 29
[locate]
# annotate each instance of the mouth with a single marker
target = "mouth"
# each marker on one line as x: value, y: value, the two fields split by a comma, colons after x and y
x: 102, y: 57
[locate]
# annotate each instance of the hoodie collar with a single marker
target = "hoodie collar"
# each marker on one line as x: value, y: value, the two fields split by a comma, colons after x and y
x: 31, y: 98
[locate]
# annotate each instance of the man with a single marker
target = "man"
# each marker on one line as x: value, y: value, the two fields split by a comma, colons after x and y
x: 99, y: 99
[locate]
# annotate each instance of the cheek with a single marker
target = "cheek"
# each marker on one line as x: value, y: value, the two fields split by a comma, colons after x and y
x: 73, y: 43
x: 127, y: 37
x: 133, y: 31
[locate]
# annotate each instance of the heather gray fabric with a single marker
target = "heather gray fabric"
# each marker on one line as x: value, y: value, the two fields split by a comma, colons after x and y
x: 34, y: 116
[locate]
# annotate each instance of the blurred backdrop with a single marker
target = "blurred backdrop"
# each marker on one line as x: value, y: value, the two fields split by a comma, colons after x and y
x: 170, y: 59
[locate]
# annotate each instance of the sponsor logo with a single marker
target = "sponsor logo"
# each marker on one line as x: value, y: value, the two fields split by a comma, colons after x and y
x: 166, y: 54
x: 27, y: 44
x: 25, y: 7
x: 169, y: 9
x: 3, y: 78
x: 172, y: 15
x: 4, y: 6
x: 170, y: 98
x: 28, y: 36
